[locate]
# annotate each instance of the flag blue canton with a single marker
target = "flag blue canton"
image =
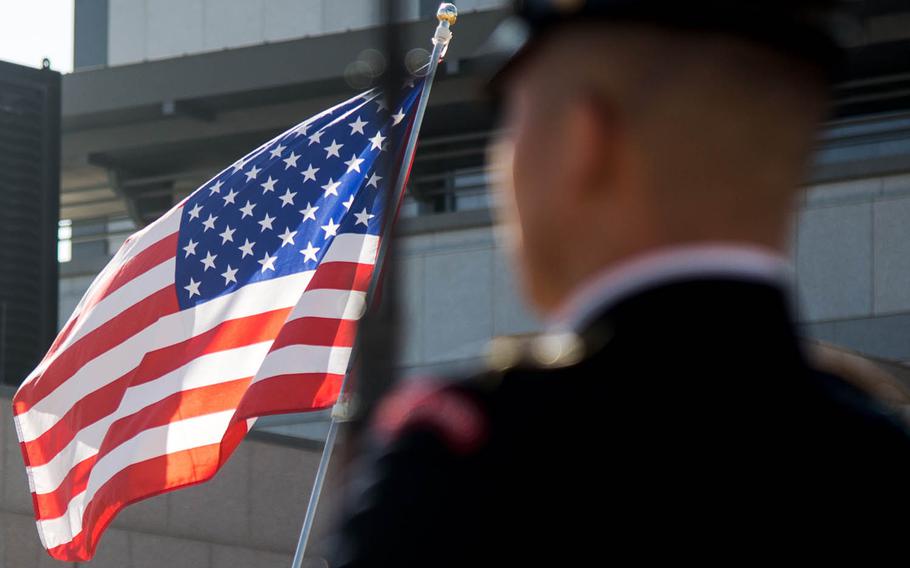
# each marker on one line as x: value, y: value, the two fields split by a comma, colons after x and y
x: 277, y: 210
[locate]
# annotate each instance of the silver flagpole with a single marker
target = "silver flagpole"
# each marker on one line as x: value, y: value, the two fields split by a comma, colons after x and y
x: 447, y: 14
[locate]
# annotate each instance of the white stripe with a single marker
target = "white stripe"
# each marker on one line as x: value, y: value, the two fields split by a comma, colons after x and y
x: 139, y: 241
x: 249, y: 300
x: 206, y: 370
x: 353, y: 247
x: 329, y: 303
x: 320, y: 359
x: 151, y: 443
x: 123, y: 298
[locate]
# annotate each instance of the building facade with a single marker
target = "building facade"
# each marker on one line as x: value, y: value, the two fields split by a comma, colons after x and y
x: 167, y: 92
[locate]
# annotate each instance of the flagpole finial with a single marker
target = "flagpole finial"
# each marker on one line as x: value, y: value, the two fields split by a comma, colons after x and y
x: 447, y: 12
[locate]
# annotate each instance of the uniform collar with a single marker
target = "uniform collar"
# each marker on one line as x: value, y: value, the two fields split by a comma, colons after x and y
x: 667, y: 265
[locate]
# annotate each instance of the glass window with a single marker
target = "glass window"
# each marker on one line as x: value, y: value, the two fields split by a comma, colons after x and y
x: 64, y: 240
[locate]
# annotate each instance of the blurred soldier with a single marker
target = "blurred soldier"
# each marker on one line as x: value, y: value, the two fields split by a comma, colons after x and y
x: 652, y: 164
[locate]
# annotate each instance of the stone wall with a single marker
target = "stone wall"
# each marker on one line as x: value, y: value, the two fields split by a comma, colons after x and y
x: 853, y: 265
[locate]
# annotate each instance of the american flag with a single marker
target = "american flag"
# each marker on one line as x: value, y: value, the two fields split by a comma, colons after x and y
x: 241, y: 301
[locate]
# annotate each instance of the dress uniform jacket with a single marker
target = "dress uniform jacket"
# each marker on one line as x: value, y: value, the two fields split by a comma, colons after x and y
x: 684, y: 420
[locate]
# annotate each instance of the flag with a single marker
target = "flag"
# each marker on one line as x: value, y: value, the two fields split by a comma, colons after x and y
x: 239, y: 302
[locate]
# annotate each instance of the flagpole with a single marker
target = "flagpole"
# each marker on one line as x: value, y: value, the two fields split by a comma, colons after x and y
x: 446, y: 15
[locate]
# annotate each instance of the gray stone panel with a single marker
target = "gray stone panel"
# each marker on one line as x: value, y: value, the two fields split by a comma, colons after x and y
x: 126, y: 39
x: 232, y: 23
x: 350, y: 14
x: 854, y: 191
x: 278, y: 497
x: 466, y: 239
x: 174, y: 27
x: 826, y: 332
x: 892, y: 255
x: 113, y: 552
x: 16, y: 494
x: 511, y: 314
x: 458, y: 319
x: 149, y: 515
x: 289, y: 19
x: 412, y: 292
x: 884, y: 337
x: 896, y: 186
x: 155, y: 551
x: 234, y: 557
x: 834, y: 262
x: 190, y: 510
x: 22, y: 549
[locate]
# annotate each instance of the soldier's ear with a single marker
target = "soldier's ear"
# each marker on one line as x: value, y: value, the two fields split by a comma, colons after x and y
x: 593, y: 136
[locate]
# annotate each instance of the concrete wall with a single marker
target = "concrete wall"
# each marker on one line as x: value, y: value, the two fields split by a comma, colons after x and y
x: 247, y: 517
x: 853, y: 265
x: 154, y: 29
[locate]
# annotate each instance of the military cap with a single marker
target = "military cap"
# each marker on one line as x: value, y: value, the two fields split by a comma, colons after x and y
x: 803, y: 29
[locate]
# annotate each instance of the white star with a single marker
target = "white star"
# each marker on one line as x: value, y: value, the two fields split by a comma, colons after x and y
x: 396, y: 118
x: 331, y: 229
x: 193, y: 288
x: 269, y: 185
x: 376, y: 141
x: 331, y: 188
x: 208, y: 261
x: 277, y: 150
x: 374, y: 180
x: 194, y: 212
x: 229, y: 198
x: 209, y: 223
x: 332, y: 149
x: 227, y: 235
x: 301, y: 129
x: 354, y: 164
x: 287, y: 198
x: 382, y: 104
x: 251, y: 175
x: 247, y: 210
x: 363, y: 218
x: 309, y: 173
x: 266, y: 223
x: 357, y: 126
x: 267, y: 262
x: 291, y: 161
x: 316, y: 137
x: 347, y: 204
x: 229, y: 275
x: 309, y: 253
x: 238, y: 165
x: 246, y: 248
x: 190, y: 248
x: 287, y: 238
x: 216, y: 188
x: 309, y: 212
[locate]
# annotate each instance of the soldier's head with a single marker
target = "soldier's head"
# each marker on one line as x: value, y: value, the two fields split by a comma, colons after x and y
x: 633, y: 133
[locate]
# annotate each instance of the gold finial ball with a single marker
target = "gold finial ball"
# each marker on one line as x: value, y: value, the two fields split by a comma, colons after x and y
x: 447, y: 12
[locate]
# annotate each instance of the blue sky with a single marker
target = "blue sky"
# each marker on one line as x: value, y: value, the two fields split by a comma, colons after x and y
x: 31, y: 30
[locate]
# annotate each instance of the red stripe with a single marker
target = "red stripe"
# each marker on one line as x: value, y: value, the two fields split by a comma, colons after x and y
x: 342, y: 276
x: 179, y: 406
x: 147, y: 259
x: 143, y: 480
x: 113, y: 332
x: 95, y: 406
x: 301, y: 392
x: 317, y: 331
